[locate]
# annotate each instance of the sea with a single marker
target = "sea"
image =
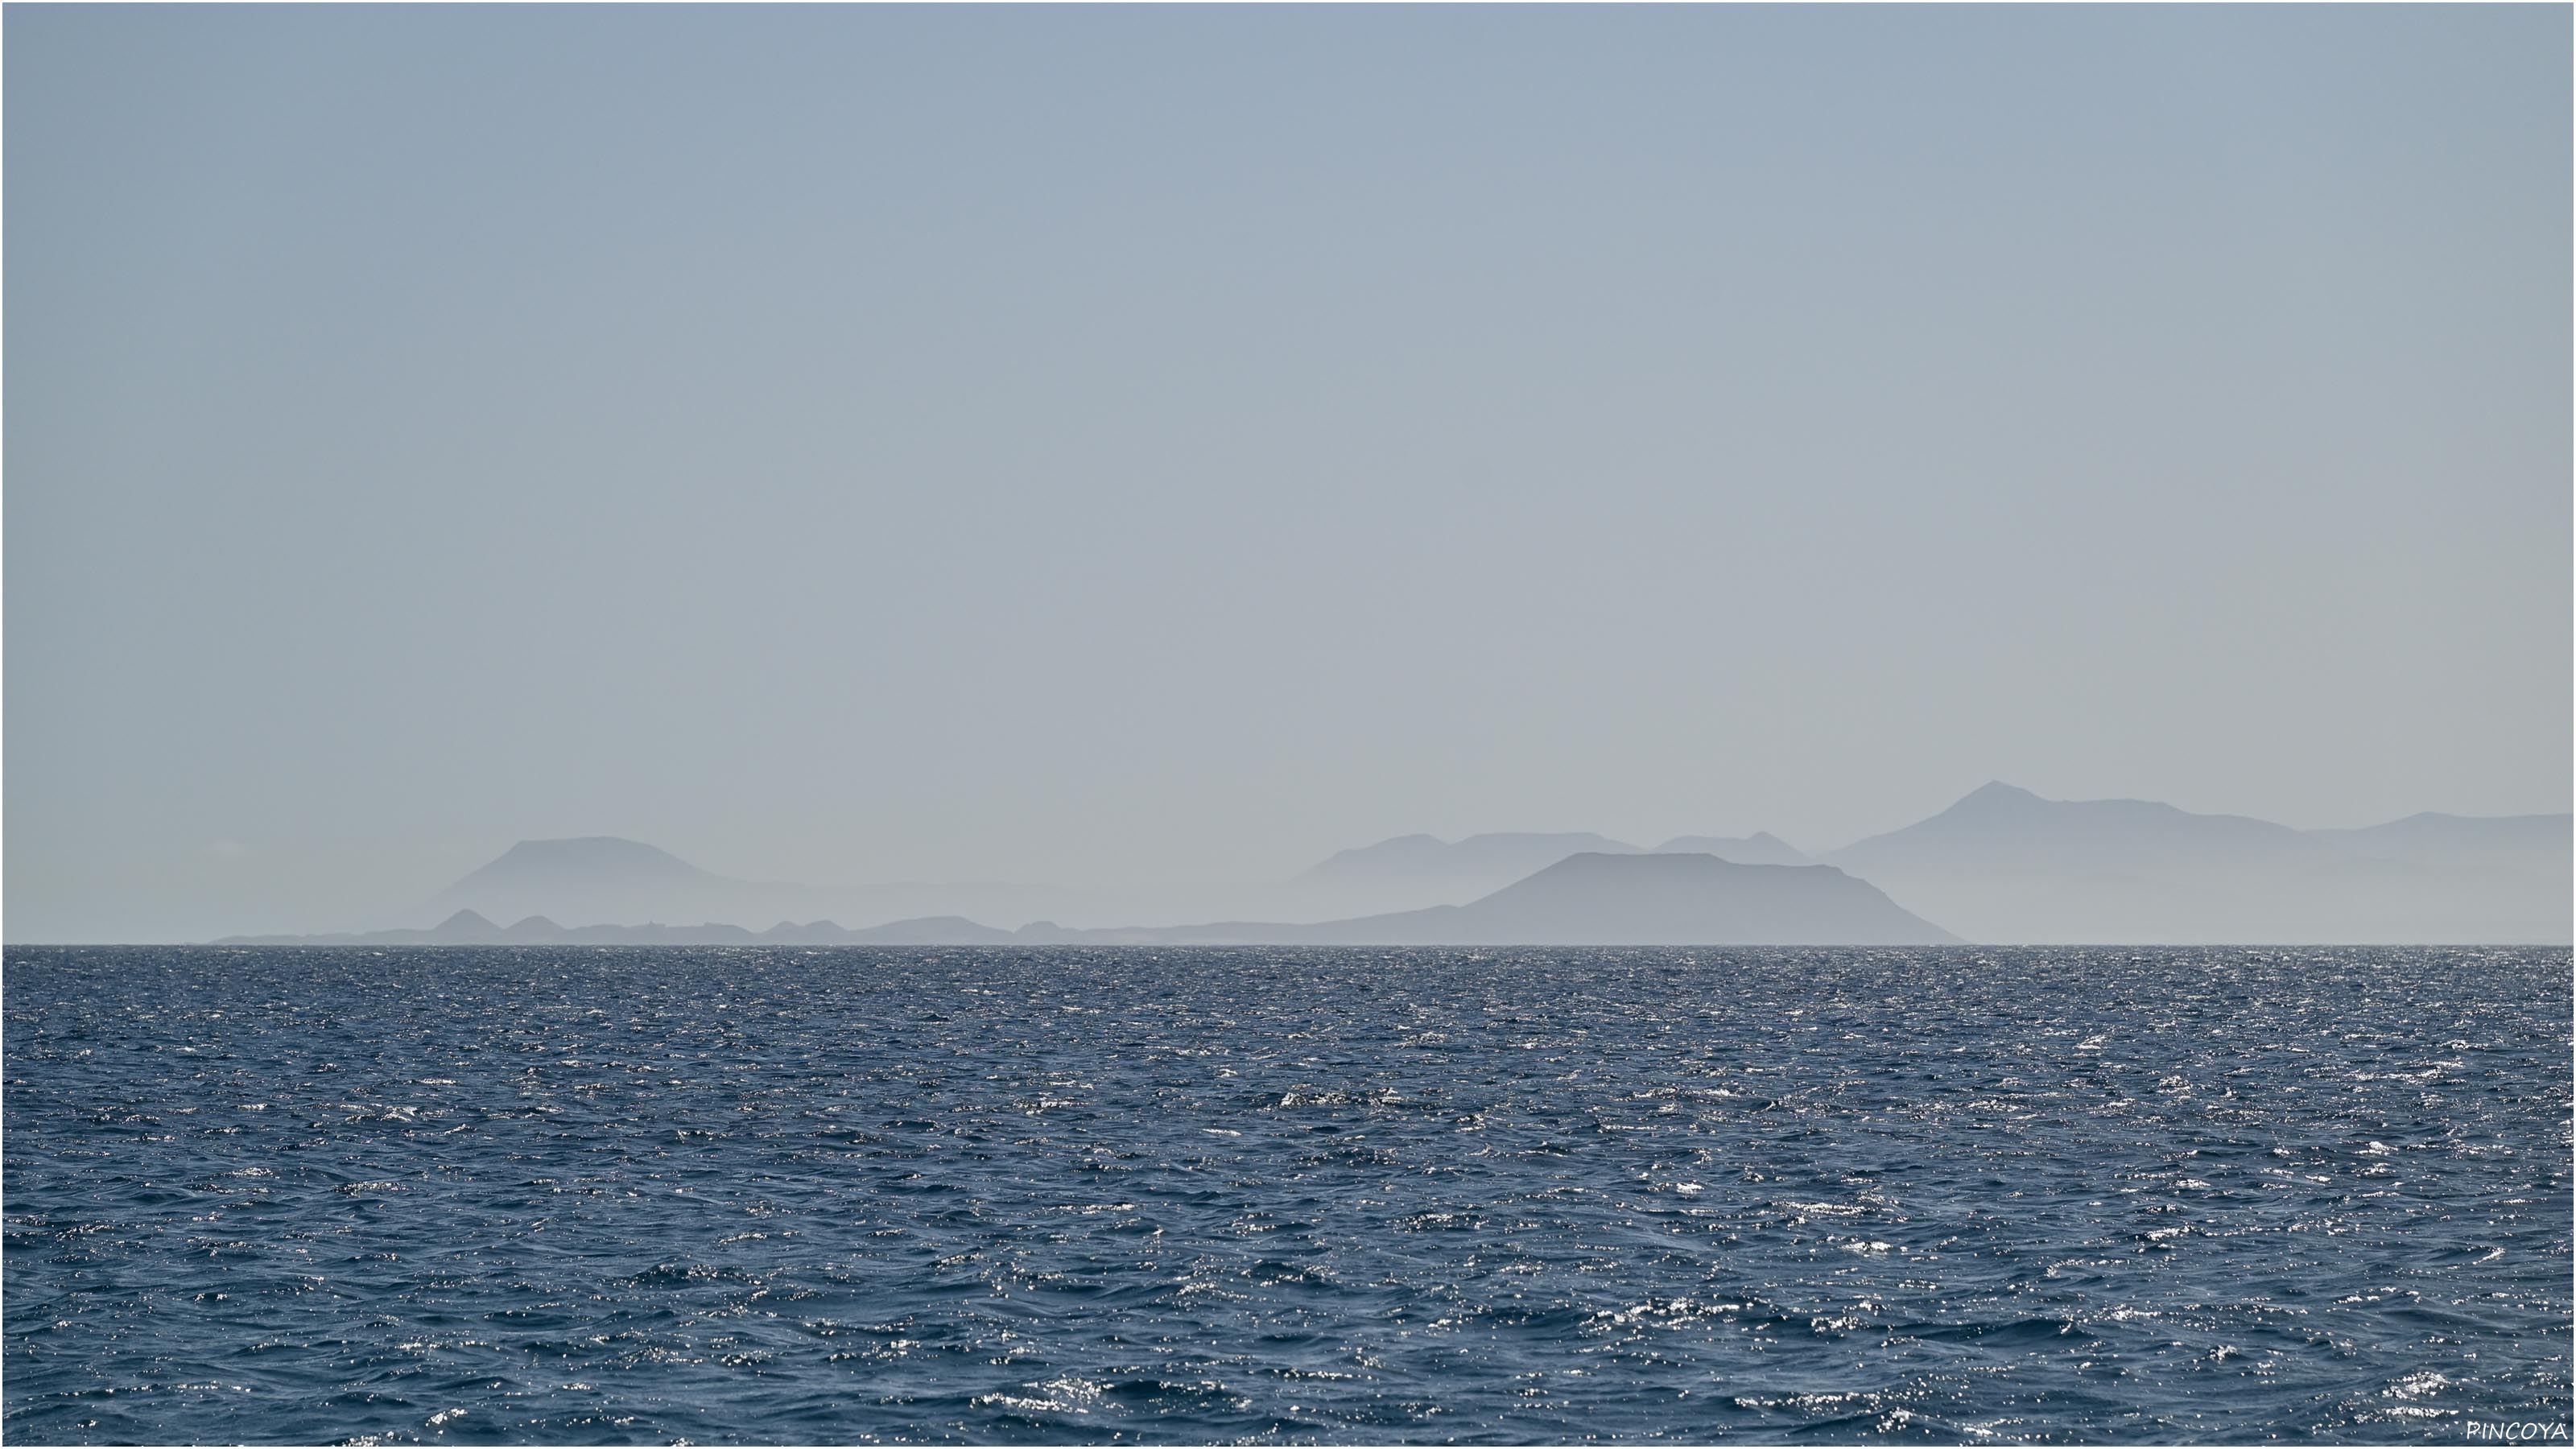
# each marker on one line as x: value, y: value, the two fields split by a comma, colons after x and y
x: 623, y: 1195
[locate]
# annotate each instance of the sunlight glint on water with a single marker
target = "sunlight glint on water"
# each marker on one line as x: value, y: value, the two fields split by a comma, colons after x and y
x: 1213, y: 1195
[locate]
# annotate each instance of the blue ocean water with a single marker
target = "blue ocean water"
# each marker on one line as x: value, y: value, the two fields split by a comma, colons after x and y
x: 632, y: 1195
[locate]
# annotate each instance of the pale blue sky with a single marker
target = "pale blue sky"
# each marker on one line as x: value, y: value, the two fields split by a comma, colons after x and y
x: 1118, y: 444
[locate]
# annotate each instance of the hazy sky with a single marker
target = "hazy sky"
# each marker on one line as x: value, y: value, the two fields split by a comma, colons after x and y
x: 1113, y: 444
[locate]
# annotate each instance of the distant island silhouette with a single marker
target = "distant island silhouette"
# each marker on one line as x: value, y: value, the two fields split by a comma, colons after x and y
x: 1659, y: 899
x: 1421, y: 870
x: 2002, y: 865
x: 1594, y: 898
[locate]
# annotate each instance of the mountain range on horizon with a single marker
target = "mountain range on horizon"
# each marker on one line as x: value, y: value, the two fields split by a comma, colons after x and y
x: 1592, y: 898
x: 1416, y: 870
x: 601, y: 880
x: 2000, y: 865
x: 2004, y: 864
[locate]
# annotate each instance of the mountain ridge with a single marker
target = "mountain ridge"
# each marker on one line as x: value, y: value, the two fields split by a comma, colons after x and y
x: 1591, y: 898
x: 2005, y: 864
x: 1760, y: 848
x: 1999, y: 864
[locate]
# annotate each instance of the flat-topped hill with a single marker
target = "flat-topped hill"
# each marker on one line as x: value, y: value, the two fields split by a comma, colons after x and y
x: 1664, y: 899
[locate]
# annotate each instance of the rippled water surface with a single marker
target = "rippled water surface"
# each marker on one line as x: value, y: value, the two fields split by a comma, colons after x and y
x: 632, y: 1196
